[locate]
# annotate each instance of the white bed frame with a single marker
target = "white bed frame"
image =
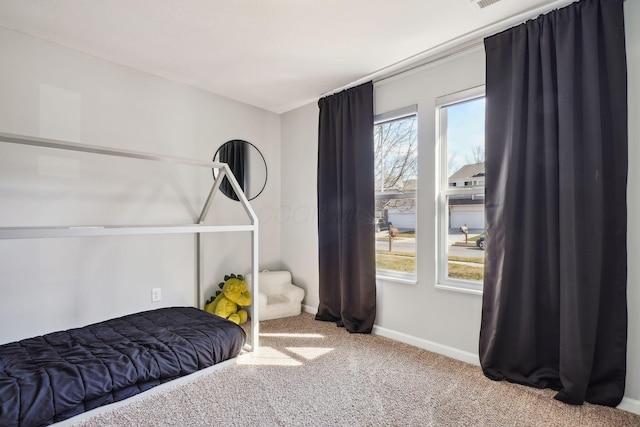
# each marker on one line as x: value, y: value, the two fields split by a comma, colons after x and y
x: 196, y: 228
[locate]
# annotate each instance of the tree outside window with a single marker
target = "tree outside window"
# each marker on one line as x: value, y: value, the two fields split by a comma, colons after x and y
x: 396, y: 185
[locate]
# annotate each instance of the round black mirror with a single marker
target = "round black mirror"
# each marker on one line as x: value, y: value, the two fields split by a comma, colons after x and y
x: 248, y: 166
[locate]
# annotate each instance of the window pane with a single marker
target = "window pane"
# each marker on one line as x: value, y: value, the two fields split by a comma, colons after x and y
x: 396, y: 184
x: 465, y: 242
x: 464, y: 184
x: 396, y: 235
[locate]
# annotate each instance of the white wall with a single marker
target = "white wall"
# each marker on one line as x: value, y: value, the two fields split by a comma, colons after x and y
x: 632, y: 18
x: 298, y: 214
x: 443, y: 321
x: 51, y: 91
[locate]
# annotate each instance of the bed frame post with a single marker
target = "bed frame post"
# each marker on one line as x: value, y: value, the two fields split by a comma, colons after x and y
x: 255, y: 324
x: 199, y: 271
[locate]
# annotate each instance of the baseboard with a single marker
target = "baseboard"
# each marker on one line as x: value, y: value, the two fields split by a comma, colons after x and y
x: 451, y: 352
x: 309, y: 309
x: 630, y: 405
x: 454, y: 353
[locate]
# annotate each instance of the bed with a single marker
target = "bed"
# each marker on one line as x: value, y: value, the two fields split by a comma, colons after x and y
x: 56, y: 376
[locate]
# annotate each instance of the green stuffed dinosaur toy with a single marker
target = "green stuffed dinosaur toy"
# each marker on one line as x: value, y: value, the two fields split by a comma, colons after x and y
x: 234, y: 293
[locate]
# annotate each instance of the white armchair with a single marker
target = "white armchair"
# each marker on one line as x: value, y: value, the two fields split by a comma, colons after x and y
x: 278, y: 297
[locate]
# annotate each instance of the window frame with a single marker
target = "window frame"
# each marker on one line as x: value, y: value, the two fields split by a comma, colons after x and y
x: 390, y: 275
x: 443, y: 191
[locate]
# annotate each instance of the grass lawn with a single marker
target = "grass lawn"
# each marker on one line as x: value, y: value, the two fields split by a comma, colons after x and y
x: 396, y: 260
x: 471, y: 241
x: 479, y: 260
x: 408, y: 234
x: 466, y: 272
x: 476, y: 237
x: 406, y: 262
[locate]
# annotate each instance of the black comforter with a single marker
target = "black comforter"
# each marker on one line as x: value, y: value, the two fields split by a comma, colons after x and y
x: 56, y: 376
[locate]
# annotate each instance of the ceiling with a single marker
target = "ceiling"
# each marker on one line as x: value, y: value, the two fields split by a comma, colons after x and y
x: 273, y: 54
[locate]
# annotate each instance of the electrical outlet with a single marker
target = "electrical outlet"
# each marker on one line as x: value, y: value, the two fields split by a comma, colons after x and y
x: 156, y: 294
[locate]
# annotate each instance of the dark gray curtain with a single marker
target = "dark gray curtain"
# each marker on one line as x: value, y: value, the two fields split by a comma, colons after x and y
x: 346, y: 209
x: 554, y: 307
x: 234, y: 153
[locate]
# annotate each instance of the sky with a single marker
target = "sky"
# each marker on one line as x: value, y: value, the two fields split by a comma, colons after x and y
x: 465, y: 130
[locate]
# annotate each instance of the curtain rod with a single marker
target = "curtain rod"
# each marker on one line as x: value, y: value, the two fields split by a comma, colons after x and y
x: 448, y: 55
x: 451, y: 48
x: 396, y: 69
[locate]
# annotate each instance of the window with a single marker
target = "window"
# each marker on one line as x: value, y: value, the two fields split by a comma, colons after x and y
x: 396, y: 185
x: 461, y: 190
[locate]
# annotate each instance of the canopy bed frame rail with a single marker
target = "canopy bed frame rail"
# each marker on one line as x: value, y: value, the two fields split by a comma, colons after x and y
x: 197, y: 228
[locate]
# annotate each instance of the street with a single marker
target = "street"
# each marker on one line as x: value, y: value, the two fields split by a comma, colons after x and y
x: 465, y: 251
x: 408, y: 244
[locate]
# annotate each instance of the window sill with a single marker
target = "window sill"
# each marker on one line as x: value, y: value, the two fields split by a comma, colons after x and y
x: 407, y: 280
x: 466, y: 288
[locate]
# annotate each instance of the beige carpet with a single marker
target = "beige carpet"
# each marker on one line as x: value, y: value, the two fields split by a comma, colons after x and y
x: 311, y: 373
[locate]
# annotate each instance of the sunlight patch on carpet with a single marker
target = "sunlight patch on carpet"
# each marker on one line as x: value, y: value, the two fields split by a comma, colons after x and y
x: 288, y: 335
x: 267, y: 356
x: 309, y: 353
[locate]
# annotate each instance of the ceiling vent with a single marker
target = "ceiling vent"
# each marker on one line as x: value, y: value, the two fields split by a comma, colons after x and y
x: 484, y: 3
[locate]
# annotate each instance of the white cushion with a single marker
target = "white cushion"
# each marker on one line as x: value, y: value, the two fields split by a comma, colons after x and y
x: 278, y: 297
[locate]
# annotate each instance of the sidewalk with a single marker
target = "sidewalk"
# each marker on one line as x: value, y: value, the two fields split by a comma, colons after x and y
x: 456, y: 235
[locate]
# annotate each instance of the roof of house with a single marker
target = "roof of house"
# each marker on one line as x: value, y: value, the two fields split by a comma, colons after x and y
x: 465, y: 201
x: 468, y: 171
x: 410, y: 185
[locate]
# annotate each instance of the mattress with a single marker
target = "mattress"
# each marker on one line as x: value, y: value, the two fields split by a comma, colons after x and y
x: 53, y: 377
